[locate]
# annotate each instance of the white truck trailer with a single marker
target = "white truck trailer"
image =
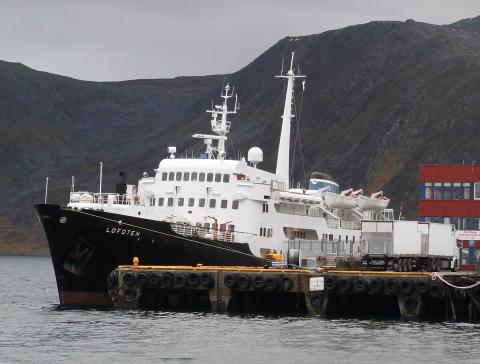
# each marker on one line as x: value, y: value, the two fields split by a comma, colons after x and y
x: 408, y: 246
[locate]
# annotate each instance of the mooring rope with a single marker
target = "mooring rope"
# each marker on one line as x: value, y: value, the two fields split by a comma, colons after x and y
x: 436, y: 275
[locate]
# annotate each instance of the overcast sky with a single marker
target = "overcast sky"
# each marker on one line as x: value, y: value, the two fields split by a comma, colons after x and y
x: 120, y: 39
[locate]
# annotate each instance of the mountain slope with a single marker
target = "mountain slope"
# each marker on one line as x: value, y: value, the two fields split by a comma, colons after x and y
x: 380, y: 98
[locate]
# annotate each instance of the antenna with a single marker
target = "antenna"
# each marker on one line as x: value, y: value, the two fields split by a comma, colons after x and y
x: 46, y: 189
x: 101, y: 175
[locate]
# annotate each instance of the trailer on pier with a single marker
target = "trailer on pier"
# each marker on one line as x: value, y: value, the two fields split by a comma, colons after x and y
x: 408, y: 246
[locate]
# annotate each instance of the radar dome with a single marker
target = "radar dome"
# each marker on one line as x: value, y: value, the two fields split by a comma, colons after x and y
x: 255, y: 155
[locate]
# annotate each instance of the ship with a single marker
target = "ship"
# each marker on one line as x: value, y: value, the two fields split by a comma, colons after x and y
x: 212, y: 209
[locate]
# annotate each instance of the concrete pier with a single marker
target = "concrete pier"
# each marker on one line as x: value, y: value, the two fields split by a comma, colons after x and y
x: 410, y: 296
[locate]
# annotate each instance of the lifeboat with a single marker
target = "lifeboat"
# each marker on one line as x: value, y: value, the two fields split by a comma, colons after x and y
x: 340, y: 201
x: 376, y: 201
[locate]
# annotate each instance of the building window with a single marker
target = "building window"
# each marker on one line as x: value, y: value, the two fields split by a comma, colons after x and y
x: 181, y: 200
x: 446, y: 220
x: 466, y: 191
x: 171, y: 176
x: 218, y: 177
x: 456, y: 222
x: 201, y: 202
x: 447, y: 191
x: 186, y: 176
x: 212, y: 203
x: 235, y: 204
x: 160, y: 201
x: 437, y: 191
x: 223, y: 204
x: 201, y: 177
x: 179, y: 176
x: 476, y: 190
x: 476, y: 223
x: 265, y: 208
x: 209, y: 177
x: 428, y: 193
x: 170, y: 201
x: 226, y: 178
x: 194, y: 176
x: 164, y: 176
x: 457, y: 191
x: 191, y: 202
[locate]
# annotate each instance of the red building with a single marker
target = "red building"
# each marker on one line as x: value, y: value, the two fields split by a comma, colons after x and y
x: 450, y: 194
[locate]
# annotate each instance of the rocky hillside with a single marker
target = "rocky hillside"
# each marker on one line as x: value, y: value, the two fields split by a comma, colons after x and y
x: 380, y: 98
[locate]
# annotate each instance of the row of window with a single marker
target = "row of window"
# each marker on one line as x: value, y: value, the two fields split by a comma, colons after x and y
x: 461, y: 223
x: 195, y: 176
x: 450, y: 191
x: 212, y: 203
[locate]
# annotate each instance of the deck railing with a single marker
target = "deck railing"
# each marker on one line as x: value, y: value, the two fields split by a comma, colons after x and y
x: 212, y: 234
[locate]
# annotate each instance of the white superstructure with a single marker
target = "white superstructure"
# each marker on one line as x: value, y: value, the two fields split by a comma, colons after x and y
x: 225, y: 199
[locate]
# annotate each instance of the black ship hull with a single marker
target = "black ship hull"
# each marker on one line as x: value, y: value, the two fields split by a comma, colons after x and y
x: 85, y: 245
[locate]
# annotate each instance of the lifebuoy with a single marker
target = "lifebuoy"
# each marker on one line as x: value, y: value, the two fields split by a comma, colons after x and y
x: 167, y: 280
x: 344, y: 285
x: 391, y: 286
x: 180, y: 281
x: 142, y: 279
x: 376, y: 286
x: 406, y: 286
x: 154, y: 278
x: 435, y: 289
x: 422, y: 286
x: 230, y: 280
x: 330, y: 283
x: 258, y: 282
x: 244, y: 281
x: 206, y: 280
x: 128, y: 278
x: 112, y: 280
x: 360, y: 285
x: 271, y: 284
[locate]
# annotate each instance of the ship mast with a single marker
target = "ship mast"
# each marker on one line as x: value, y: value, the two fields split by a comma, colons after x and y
x: 221, y: 126
x: 283, y: 157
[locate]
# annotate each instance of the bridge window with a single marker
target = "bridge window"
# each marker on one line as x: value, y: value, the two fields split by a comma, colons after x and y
x: 235, y: 204
x: 186, y: 176
x: 209, y: 177
x: 179, y: 176
x: 269, y: 233
x: 191, y: 202
x: 218, y: 177
x: 181, y: 200
x: 160, y: 201
x: 265, y: 208
x: 194, y: 176
x: 152, y: 201
x: 164, y: 176
x: 201, y: 202
x: 201, y: 177
x: 171, y: 176
x: 223, y: 204
x: 170, y: 201
x: 226, y: 178
x: 212, y: 203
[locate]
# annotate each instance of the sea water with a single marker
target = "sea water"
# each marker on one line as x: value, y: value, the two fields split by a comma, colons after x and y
x: 34, y: 330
